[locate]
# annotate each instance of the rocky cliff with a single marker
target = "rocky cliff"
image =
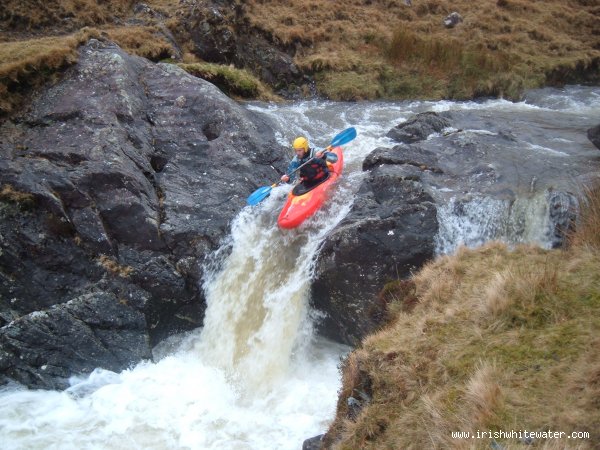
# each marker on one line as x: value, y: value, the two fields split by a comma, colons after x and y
x: 114, y: 186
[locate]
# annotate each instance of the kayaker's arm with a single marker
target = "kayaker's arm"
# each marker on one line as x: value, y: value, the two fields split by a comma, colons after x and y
x: 327, y: 156
x: 295, y: 164
x: 290, y: 173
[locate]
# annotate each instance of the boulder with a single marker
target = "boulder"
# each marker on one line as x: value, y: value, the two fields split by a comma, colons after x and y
x: 452, y: 20
x: 418, y: 128
x: 100, y: 329
x: 388, y: 233
x: 314, y: 443
x: 593, y: 135
x: 124, y: 173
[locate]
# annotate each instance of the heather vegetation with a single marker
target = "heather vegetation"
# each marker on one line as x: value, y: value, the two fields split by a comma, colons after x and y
x: 490, y: 339
x: 356, y: 49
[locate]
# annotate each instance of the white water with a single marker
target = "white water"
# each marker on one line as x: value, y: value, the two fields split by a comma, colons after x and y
x: 255, y: 377
x: 482, y: 219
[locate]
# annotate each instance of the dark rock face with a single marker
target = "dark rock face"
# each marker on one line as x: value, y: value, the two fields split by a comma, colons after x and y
x: 122, y: 176
x: 220, y: 35
x: 93, y: 330
x: 418, y: 128
x: 389, y: 232
x: 593, y: 135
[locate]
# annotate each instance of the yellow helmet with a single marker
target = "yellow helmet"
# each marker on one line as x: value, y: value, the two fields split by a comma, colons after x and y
x: 301, y: 142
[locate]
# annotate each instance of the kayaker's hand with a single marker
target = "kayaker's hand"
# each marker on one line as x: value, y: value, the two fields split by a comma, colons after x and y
x: 319, y: 154
x: 285, y: 178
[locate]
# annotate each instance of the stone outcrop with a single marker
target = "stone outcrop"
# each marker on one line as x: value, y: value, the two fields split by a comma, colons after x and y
x: 98, y: 329
x: 220, y: 34
x: 119, y: 180
x: 418, y: 128
x: 388, y: 233
x: 593, y: 135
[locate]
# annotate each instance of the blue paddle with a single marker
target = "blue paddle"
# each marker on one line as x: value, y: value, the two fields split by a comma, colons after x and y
x: 263, y: 192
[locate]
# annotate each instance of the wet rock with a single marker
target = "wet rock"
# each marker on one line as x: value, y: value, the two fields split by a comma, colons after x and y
x: 389, y: 232
x: 124, y: 173
x: 44, y: 348
x: 411, y: 155
x: 562, y: 215
x: 418, y: 128
x: 593, y: 135
x: 314, y: 443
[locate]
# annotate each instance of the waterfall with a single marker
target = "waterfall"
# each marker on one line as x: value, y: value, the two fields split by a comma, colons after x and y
x: 540, y: 219
x: 255, y: 376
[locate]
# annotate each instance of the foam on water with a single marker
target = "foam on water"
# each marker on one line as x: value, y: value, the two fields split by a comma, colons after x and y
x: 256, y: 377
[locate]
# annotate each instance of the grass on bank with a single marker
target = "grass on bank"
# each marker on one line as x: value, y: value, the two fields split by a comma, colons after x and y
x: 494, y: 340
x: 355, y: 49
x: 237, y: 83
x: 27, y: 64
x: 29, y: 15
x: 502, y: 46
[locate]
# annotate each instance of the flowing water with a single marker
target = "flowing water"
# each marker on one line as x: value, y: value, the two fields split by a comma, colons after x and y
x: 256, y: 377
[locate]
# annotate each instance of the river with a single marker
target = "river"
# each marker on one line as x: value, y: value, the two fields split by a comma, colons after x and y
x: 256, y: 376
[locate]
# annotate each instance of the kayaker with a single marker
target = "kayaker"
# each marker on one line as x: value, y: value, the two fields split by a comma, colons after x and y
x: 313, y: 165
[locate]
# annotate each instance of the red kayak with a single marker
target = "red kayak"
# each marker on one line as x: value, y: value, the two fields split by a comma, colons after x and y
x: 298, y: 208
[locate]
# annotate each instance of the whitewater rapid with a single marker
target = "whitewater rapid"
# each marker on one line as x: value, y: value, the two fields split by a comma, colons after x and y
x: 256, y: 376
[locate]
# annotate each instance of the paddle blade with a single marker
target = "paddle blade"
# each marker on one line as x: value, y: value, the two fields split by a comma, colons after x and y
x: 259, y: 195
x: 344, y: 137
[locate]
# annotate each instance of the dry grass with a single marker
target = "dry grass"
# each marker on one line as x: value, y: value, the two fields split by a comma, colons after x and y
x: 145, y: 41
x: 9, y: 194
x: 355, y: 49
x: 483, y: 395
x: 27, y: 64
x: 588, y: 228
x: 20, y: 15
x: 500, y: 339
x: 500, y: 48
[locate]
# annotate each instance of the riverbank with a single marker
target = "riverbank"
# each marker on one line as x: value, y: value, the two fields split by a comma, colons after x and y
x: 490, y: 339
x: 348, y: 51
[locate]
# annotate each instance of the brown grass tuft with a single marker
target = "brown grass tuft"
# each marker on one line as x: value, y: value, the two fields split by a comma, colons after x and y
x: 484, y: 396
x: 237, y: 83
x: 112, y: 266
x: 587, y: 233
x: 145, y: 41
x: 495, y: 299
x: 10, y: 194
x: 21, y: 15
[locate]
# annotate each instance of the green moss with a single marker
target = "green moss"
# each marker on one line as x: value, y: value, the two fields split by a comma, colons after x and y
x: 232, y: 81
